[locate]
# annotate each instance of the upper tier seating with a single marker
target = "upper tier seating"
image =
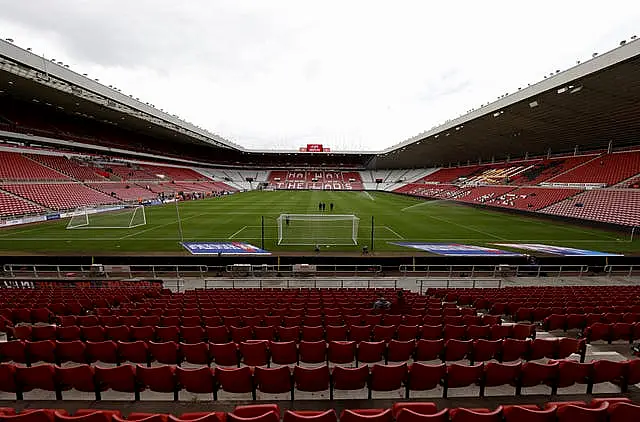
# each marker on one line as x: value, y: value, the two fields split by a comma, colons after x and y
x: 608, y: 206
x: 173, y: 173
x: 60, y: 196
x: 450, y: 175
x: 124, y: 191
x: 70, y: 167
x: 135, y: 172
x: 10, y: 206
x: 607, y: 169
x: 320, y: 180
x: 14, y: 166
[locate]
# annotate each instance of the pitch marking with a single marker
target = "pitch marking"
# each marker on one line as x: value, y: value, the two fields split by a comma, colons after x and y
x: 394, y: 232
x: 238, y: 232
x: 368, y: 195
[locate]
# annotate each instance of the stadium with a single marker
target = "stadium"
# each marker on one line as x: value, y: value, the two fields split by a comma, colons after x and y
x: 483, y: 270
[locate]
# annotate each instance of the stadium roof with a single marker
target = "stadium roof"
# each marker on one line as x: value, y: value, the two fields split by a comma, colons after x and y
x: 586, y: 106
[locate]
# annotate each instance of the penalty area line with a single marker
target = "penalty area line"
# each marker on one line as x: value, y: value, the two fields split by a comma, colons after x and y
x: 238, y: 232
x: 394, y: 232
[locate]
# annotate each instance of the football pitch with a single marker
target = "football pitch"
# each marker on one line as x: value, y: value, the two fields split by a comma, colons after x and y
x: 238, y: 218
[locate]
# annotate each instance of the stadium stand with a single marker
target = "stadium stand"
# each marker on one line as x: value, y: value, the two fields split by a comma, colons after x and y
x: 608, y: 206
x: 124, y: 191
x: 60, y: 196
x: 605, y: 170
x: 11, y: 206
x: 303, y: 179
x: 17, y: 167
x: 70, y: 167
x: 532, y: 199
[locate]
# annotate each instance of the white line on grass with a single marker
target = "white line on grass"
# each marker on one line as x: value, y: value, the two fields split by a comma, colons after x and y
x: 160, y: 226
x: 368, y: 195
x: 418, y: 205
x: 394, y: 232
x: 238, y: 232
x: 466, y: 227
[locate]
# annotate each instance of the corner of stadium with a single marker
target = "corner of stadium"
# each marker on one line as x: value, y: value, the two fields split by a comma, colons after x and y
x: 484, y: 270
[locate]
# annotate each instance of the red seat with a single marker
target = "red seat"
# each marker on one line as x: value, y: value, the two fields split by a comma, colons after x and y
x: 80, y: 378
x: 170, y: 333
x: 360, y: 333
x: 523, y: 331
x: 431, y: 332
x: 14, y: 351
x: 543, y: 348
x: 274, y: 380
x: 235, y: 380
x: 158, y: 378
x: 409, y: 415
x: 463, y: 376
x: 457, y: 349
x: 400, y: 351
x: 350, y: 378
x: 623, y: 412
x: 310, y: 416
x: 145, y: 333
x: 195, y: 353
x: 254, y: 353
x: 534, y: 374
x: 311, y: 379
x: 95, y: 416
x: 496, y: 374
x: 133, y: 351
x: 70, y: 351
x: 43, y: 332
x: 313, y: 333
x: 426, y: 377
x: 8, y: 378
x: 572, y: 413
x: 384, y: 332
x: 313, y: 351
x: 485, y: 350
x: 41, y: 351
x: 42, y: 377
x: 568, y: 346
x: 40, y: 415
x: 267, y: 417
x: 427, y: 350
x: 387, y: 377
x: 191, y: 335
x: 342, y: 351
x: 265, y: 333
x: 366, y: 415
x: 199, y: 381
x: 165, y: 352
x: 408, y: 332
x: 224, y: 354
x: 69, y: 333
x: 336, y: 333
x: 609, y: 371
x: 571, y: 372
x: 120, y: 378
x: 514, y: 349
x: 475, y: 332
x: 291, y: 333
x: 420, y: 408
x: 371, y: 352
x: 103, y: 351
x: 118, y: 333
x: 461, y: 414
x: 283, y: 353
x: 516, y: 413
x: 239, y: 334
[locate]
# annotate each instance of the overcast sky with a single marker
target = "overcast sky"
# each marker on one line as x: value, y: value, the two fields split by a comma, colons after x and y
x: 357, y: 75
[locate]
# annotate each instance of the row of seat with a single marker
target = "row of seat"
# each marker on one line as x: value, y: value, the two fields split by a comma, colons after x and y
x: 223, y: 333
x: 264, y: 353
x: 577, y: 321
x: 276, y: 320
x: 612, y: 409
x: 283, y: 379
x: 612, y: 332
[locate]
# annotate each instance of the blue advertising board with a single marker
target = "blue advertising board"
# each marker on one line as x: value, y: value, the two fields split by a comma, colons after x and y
x: 455, y: 249
x: 223, y: 248
x: 555, y: 250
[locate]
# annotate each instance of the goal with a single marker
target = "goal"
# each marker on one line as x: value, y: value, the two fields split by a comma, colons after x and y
x: 108, y: 217
x: 317, y: 229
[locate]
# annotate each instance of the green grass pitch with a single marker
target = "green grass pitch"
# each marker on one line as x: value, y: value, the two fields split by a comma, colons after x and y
x: 237, y: 217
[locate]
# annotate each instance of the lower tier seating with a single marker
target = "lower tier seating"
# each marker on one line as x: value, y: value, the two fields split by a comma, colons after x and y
x: 134, y: 379
x: 608, y: 206
x: 611, y: 409
x: 10, y: 206
x: 60, y: 196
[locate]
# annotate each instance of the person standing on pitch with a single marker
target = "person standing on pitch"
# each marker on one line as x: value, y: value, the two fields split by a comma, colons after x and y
x: 331, y: 207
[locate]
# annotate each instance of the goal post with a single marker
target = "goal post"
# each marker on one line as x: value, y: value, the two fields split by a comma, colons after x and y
x: 108, y: 217
x: 317, y: 229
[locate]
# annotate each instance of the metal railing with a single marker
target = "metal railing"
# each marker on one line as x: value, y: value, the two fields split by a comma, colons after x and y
x: 493, y: 271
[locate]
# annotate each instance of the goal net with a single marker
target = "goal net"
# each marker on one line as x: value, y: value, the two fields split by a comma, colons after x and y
x: 108, y: 217
x: 317, y: 229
